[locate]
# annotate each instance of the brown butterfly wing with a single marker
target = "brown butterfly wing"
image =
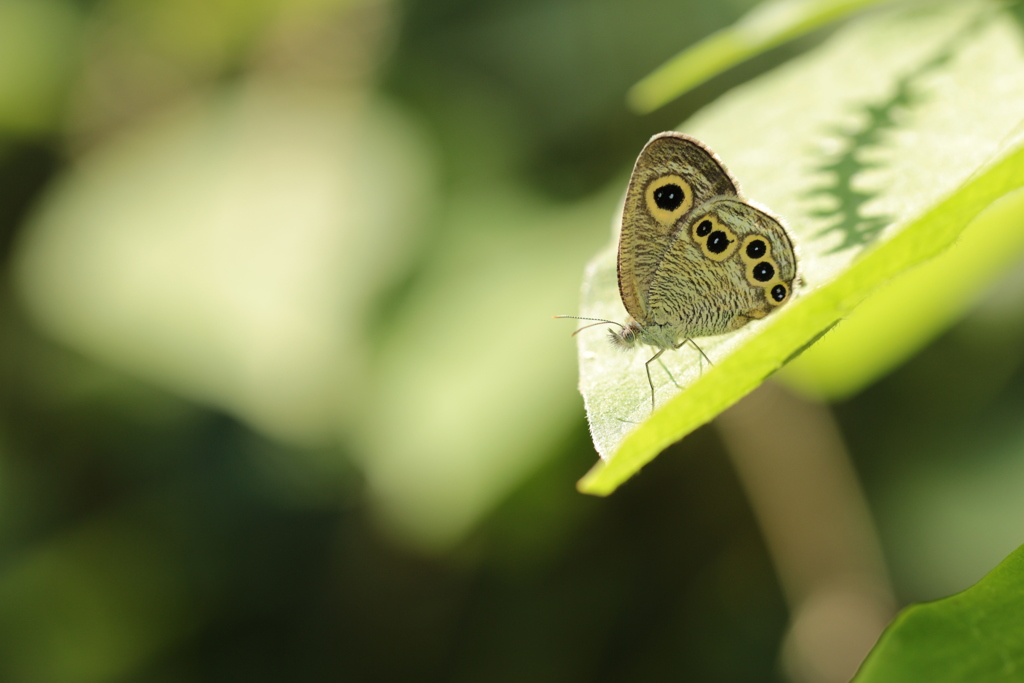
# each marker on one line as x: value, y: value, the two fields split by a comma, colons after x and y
x: 731, y: 264
x: 673, y: 176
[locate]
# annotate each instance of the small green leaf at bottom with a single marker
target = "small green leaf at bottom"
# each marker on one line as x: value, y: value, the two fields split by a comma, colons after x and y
x: 972, y: 637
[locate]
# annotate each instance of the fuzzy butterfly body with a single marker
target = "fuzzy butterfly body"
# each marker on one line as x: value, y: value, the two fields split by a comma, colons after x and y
x: 695, y: 259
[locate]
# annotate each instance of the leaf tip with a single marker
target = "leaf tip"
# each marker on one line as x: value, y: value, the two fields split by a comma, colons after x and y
x: 591, y: 484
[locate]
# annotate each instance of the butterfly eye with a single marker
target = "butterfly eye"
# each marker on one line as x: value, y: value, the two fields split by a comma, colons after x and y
x: 704, y: 228
x: 717, y: 242
x: 779, y: 292
x: 763, y: 271
x: 756, y: 249
x: 668, y: 197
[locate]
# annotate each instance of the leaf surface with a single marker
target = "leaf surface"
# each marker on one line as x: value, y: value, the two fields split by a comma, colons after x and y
x: 877, y: 149
x: 766, y: 26
x: 977, y: 635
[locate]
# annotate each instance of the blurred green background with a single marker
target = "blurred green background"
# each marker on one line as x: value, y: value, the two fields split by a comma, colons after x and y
x: 282, y: 399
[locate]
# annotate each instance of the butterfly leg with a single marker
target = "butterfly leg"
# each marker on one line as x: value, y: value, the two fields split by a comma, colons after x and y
x: 669, y: 373
x: 647, y: 365
x: 694, y: 344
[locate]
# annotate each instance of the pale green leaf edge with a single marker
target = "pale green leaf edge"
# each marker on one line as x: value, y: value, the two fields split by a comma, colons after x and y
x: 766, y: 26
x: 911, y: 310
x: 976, y: 635
x: 805, y: 319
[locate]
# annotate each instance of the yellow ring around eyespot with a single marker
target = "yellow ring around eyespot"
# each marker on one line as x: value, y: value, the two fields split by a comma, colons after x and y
x: 754, y: 282
x: 716, y: 226
x: 768, y: 292
x: 767, y: 257
x: 750, y: 238
x: 710, y: 218
x: 664, y: 216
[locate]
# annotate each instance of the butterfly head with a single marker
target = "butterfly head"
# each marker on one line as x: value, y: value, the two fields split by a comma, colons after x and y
x: 627, y: 336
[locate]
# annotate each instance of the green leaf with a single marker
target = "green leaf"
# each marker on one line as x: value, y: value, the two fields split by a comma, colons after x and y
x: 977, y: 635
x: 878, y: 148
x: 768, y: 25
x: 908, y: 312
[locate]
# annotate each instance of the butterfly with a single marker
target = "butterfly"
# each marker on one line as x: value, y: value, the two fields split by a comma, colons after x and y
x: 695, y: 258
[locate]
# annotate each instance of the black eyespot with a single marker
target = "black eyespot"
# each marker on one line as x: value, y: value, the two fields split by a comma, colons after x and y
x: 704, y: 228
x: 756, y: 249
x: 779, y: 292
x: 763, y: 271
x: 669, y: 197
x: 717, y: 242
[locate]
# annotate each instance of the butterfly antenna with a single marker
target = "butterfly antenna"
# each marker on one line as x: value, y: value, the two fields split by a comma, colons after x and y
x: 587, y: 326
x: 597, y: 321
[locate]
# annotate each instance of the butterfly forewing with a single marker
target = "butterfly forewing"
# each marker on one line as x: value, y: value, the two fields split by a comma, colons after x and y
x: 674, y: 177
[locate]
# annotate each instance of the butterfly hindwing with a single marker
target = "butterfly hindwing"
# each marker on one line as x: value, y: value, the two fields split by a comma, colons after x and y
x: 732, y: 263
x: 674, y: 176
